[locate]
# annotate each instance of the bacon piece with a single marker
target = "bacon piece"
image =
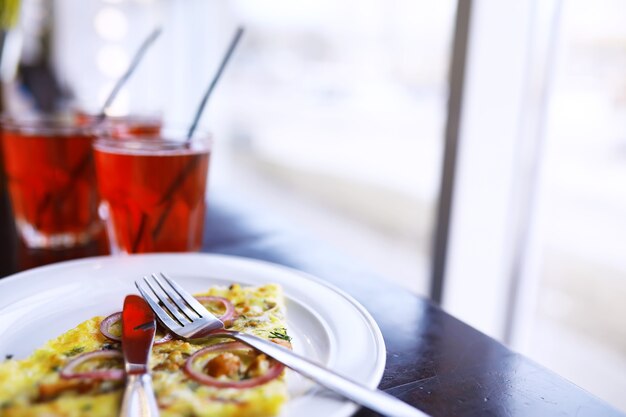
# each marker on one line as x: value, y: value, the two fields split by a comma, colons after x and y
x: 282, y: 342
x: 50, y: 391
x: 258, y: 367
x: 223, y: 364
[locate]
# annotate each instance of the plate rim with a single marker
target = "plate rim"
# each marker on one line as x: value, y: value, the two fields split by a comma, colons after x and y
x: 348, y: 408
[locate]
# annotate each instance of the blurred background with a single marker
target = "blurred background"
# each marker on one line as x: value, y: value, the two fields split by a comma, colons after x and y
x: 335, y: 118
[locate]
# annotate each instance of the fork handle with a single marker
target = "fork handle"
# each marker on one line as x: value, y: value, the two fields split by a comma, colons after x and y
x: 139, y: 399
x: 373, y: 399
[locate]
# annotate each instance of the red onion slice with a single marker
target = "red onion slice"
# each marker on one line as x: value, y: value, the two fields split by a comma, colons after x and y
x: 273, y: 372
x: 68, y: 372
x: 106, y: 324
x: 229, y: 314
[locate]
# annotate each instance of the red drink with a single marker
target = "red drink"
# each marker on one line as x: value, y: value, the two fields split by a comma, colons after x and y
x: 51, y: 181
x: 153, y: 191
x: 134, y: 127
x: 123, y: 126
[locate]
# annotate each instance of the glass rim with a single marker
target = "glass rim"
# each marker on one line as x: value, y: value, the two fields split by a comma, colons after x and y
x: 201, y: 142
x: 91, y: 117
x: 43, y: 125
x: 166, y: 134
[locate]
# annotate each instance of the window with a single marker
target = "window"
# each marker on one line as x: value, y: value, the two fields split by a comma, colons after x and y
x: 332, y: 117
x: 577, y: 326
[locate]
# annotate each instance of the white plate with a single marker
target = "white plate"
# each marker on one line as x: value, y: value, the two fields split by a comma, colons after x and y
x: 326, y: 324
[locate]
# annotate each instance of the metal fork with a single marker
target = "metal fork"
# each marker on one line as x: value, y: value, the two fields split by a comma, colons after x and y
x: 184, y: 316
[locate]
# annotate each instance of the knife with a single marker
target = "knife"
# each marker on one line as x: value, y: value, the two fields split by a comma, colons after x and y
x: 138, y: 328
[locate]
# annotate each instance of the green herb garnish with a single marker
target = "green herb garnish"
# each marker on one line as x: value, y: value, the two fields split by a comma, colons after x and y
x: 75, y: 351
x: 193, y: 385
x: 86, y: 407
x: 280, y: 334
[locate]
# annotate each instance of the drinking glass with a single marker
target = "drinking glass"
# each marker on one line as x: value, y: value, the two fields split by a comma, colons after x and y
x: 50, y: 175
x: 153, y: 191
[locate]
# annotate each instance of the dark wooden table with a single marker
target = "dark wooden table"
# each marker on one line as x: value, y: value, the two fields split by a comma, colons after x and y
x: 434, y: 361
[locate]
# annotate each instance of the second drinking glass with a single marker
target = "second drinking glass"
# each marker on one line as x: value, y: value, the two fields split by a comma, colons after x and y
x: 153, y: 191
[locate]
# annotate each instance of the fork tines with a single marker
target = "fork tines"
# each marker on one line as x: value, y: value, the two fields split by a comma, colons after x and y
x: 174, y: 306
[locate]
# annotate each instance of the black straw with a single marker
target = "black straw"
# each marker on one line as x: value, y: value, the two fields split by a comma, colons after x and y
x: 136, y: 60
x: 218, y: 74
